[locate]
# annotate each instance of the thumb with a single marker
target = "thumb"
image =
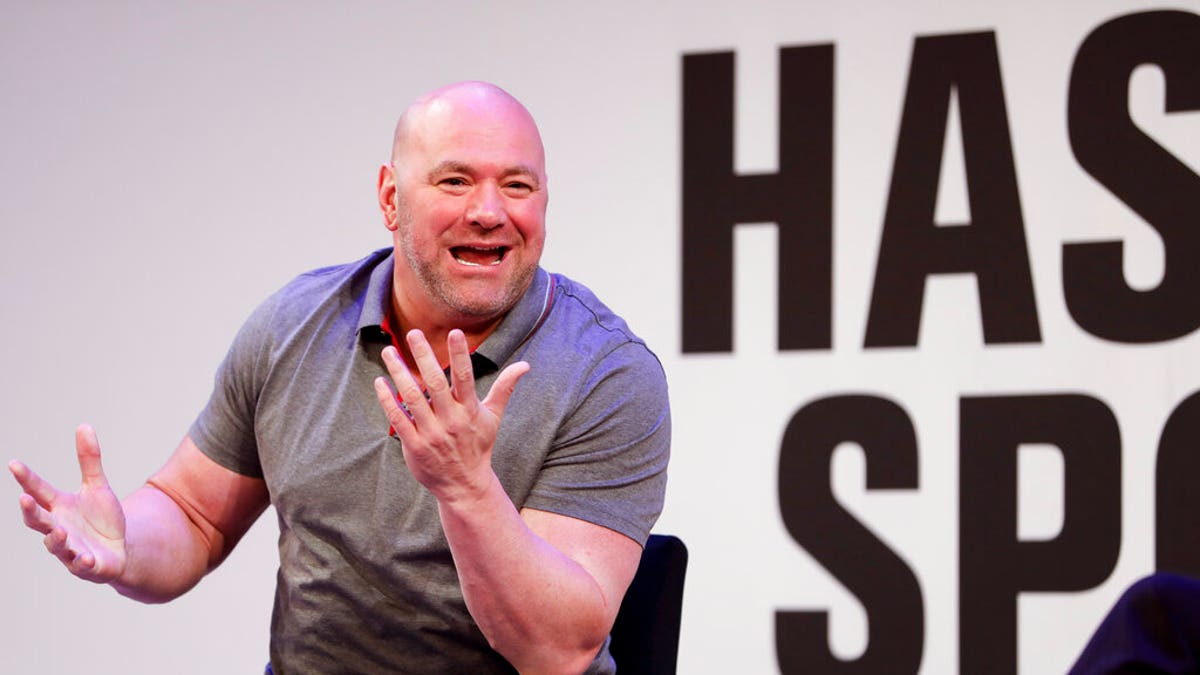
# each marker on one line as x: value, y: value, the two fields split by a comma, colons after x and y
x: 502, y: 388
x: 87, y: 449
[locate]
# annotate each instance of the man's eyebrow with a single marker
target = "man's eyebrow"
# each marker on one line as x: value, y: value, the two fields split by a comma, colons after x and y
x: 527, y: 171
x: 450, y: 166
x: 456, y: 166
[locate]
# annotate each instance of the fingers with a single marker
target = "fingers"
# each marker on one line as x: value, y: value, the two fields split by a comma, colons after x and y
x: 68, y: 521
x: 79, y: 562
x: 87, y: 448
x: 35, y: 506
x: 427, y: 364
x: 387, y: 400
x: 56, y: 544
x: 462, y: 372
x: 34, y: 485
x: 443, y: 396
x: 502, y: 388
x: 406, y: 388
x: 35, y: 517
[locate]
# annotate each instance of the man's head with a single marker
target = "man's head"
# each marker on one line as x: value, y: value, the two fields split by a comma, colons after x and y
x: 465, y: 199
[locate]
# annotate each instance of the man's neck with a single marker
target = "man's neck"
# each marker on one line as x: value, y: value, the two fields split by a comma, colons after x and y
x: 435, y: 332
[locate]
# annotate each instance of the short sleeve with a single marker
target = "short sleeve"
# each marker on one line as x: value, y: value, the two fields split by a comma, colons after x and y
x: 225, y: 430
x: 609, y: 462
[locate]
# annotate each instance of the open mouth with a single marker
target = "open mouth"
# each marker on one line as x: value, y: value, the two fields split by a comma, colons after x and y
x: 478, y: 257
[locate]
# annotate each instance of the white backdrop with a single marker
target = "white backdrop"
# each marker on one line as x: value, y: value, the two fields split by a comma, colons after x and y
x: 165, y: 166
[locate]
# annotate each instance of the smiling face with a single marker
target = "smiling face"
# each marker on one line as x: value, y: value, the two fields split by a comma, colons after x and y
x: 465, y: 198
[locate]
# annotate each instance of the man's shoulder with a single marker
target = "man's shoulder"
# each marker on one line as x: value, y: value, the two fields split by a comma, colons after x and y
x: 582, y: 305
x: 333, y: 288
x: 312, y: 286
x: 331, y: 276
x: 582, y: 331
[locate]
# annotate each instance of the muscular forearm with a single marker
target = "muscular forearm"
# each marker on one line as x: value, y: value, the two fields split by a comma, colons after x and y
x: 166, y: 553
x: 539, y: 608
x: 542, y: 587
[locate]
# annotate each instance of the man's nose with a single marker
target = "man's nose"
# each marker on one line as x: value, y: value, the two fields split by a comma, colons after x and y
x: 486, y: 208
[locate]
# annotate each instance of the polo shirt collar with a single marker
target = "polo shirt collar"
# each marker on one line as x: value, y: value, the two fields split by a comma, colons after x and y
x: 521, y: 321
x: 516, y: 327
x: 378, y: 295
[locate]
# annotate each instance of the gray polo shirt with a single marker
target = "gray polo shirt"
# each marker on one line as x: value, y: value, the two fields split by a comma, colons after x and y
x: 366, y: 582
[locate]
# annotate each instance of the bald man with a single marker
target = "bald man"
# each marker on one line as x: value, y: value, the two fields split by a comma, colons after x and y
x: 466, y: 453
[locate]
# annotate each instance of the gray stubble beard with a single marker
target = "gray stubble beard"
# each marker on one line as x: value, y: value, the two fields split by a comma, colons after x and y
x: 437, y: 286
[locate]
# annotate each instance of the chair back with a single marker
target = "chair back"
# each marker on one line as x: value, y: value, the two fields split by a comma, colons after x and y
x: 645, y: 635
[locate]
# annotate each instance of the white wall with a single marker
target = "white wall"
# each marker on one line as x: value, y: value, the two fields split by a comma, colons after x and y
x: 164, y: 167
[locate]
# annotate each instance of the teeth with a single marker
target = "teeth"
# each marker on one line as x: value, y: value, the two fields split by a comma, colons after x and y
x: 498, y: 252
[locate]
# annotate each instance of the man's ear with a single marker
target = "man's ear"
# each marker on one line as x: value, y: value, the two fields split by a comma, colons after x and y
x: 387, y: 195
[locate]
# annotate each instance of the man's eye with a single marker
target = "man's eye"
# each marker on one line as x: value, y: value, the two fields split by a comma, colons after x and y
x: 454, y: 182
x: 519, y: 186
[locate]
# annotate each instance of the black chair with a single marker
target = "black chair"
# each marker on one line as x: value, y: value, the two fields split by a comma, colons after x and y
x: 645, y: 635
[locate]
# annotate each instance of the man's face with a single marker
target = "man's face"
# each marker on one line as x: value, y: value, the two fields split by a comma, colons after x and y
x: 470, y: 208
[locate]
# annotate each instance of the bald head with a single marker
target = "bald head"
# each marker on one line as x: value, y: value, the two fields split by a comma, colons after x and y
x: 482, y: 105
x: 465, y: 198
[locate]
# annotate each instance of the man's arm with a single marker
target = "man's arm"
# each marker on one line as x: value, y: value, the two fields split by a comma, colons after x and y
x: 184, y: 522
x: 157, y: 543
x: 544, y: 588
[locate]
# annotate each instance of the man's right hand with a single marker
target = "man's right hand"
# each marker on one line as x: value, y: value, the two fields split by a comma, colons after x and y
x: 85, y: 530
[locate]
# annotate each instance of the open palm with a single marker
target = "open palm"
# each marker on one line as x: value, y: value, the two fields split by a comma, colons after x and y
x: 85, y: 530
